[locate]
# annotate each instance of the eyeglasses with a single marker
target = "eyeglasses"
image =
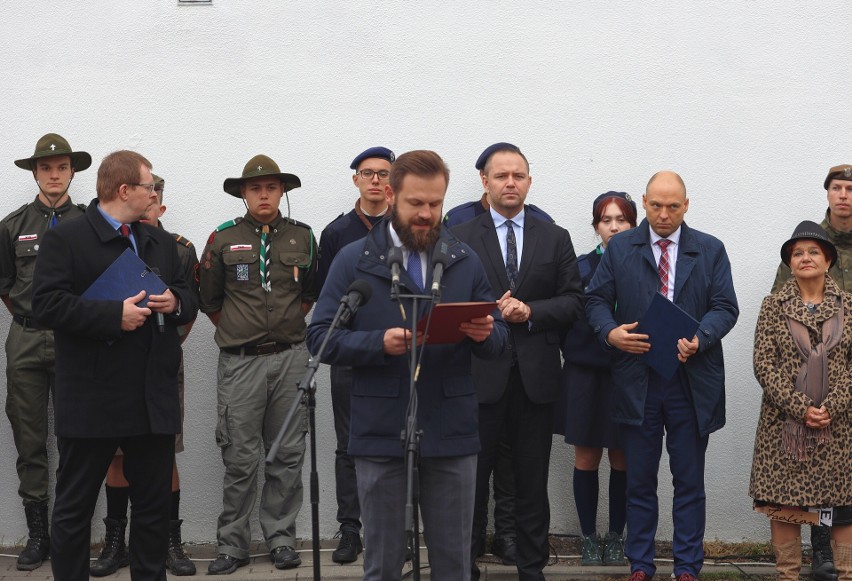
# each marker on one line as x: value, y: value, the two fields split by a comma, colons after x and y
x: 368, y: 174
x: 149, y: 187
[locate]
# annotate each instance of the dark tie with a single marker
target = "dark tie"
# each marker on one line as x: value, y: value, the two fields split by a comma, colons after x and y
x: 414, y: 268
x: 511, y: 255
x: 663, y: 265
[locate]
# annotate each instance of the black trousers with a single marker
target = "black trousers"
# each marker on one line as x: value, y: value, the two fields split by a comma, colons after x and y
x: 528, y: 427
x: 346, y: 489
x: 83, y: 464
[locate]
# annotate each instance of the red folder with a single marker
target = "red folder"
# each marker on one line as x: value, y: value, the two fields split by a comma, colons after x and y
x: 446, y: 318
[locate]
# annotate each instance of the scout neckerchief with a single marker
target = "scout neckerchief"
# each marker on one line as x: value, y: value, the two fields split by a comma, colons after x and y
x: 265, y: 243
x: 364, y: 218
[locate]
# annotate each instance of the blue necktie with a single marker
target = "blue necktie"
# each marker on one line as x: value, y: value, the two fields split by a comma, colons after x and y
x: 511, y: 255
x: 414, y: 269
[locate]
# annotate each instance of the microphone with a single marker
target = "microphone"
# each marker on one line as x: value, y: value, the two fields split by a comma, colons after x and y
x: 395, y: 263
x: 358, y: 293
x: 439, y: 262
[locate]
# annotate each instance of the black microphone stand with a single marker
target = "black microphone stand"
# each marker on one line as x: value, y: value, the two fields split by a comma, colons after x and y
x: 308, y: 386
x: 410, y: 437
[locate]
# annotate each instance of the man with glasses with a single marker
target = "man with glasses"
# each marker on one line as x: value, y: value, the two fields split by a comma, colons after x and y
x: 116, y: 367
x: 258, y: 281
x: 372, y: 169
x: 29, y: 346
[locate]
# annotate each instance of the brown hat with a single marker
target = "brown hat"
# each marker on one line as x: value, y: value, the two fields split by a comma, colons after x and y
x: 838, y: 172
x: 261, y: 166
x: 54, y: 144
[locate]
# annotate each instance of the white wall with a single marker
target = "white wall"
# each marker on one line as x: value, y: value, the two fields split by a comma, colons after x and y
x: 747, y: 99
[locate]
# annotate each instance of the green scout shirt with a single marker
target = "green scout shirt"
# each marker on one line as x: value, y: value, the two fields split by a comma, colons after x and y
x: 230, y: 281
x: 839, y: 272
x: 21, y: 233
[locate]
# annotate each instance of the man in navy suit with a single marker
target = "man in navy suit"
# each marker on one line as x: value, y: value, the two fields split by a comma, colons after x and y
x: 532, y: 267
x: 692, y: 270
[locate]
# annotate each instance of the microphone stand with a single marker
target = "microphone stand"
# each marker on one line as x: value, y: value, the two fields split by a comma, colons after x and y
x: 308, y: 386
x: 410, y: 437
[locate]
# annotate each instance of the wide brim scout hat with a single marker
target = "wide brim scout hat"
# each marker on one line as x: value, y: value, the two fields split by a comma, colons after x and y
x: 808, y: 230
x: 261, y: 166
x: 54, y: 144
x: 838, y: 172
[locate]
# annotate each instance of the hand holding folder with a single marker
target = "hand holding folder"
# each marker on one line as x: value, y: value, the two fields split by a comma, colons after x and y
x: 665, y: 323
x: 124, y: 278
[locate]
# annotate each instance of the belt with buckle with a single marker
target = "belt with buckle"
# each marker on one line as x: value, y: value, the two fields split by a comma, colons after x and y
x: 28, y: 323
x: 261, y: 349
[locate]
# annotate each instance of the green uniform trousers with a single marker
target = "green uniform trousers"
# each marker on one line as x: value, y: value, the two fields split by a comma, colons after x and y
x: 255, y: 394
x: 29, y: 383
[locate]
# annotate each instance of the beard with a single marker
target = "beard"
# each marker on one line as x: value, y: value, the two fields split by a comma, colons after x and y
x: 422, y: 241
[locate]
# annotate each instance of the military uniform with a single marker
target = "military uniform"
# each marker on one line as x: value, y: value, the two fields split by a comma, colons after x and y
x: 262, y: 357
x: 344, y: 229
x: 189, y: 263
x: 29, y: 347
x: 840, y: 271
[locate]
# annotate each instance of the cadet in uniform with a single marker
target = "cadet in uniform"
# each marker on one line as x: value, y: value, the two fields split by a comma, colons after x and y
x: 114, y: 553
x: 372, y: 170
x: 29, y: 347
x: 258, y: 280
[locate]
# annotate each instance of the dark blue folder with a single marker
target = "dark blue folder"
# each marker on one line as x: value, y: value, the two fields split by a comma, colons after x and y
x: 664, y: 323
x: 125, y: 277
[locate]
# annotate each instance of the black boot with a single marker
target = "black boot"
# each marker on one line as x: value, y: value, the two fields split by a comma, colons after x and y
x: 38, y: 545
x: 114, y: 554
x: 822, y: 564
x: 176, y: 561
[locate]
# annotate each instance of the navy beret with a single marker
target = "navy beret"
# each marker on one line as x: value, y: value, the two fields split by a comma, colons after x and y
x: 379, y: 152
x: 491, y: 150
x: 623, y: 195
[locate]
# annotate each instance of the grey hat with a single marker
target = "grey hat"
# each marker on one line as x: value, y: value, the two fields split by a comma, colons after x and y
x: 808, y: 230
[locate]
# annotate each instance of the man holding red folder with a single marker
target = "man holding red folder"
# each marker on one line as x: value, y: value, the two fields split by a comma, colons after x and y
x: 690, y: 268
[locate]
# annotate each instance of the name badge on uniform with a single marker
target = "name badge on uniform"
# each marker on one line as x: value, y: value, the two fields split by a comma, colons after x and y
x: 242, y: 272
x: 236, y: 247
x: 27, y: 237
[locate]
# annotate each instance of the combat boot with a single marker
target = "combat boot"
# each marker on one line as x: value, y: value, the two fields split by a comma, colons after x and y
x: 176, y: 560
x: 822, y: 563
x: 38, y: 545
x: 114, y: 554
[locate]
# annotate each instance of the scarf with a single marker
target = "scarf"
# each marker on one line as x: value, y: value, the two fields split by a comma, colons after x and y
x: 797, y: 439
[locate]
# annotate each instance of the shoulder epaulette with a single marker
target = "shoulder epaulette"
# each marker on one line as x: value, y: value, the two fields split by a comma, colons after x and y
x: 82, y: 206
x: 338, y: 218
x: 229, y: 224
x: 295, y: 222
x: 17, y: 212
x: 181, y: 240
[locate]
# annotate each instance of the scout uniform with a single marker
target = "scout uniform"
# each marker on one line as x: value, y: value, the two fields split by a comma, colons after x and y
x: 260, y: 334
x: 29, y: 347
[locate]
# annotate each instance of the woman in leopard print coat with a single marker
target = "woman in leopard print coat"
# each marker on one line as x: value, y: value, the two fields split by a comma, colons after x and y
x: 803, y: 446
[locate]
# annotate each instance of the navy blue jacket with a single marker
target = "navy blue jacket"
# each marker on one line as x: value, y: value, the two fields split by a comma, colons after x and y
x: 448, y: 407
x: 627, y: 277
x: 343, y: 230
x: 580, y: 345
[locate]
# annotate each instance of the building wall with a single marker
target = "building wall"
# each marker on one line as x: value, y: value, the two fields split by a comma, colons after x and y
x: 747, y: 99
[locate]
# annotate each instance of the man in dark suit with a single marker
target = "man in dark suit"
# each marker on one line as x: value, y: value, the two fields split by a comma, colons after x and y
x: 692, y: 270
x: 531, y: 265
x: 116, y: 367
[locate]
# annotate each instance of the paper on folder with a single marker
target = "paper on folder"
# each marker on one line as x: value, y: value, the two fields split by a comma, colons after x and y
x: 125, y: 277
x: 664, y: 323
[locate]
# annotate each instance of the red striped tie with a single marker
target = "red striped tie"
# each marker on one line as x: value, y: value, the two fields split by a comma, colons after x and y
x: 663, y: 266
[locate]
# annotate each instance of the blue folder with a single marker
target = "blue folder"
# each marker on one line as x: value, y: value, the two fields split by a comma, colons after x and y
x: 125, y: 277
x: 664, y: 323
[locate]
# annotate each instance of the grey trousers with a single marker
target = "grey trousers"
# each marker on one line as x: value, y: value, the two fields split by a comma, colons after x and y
x: 447, y: 489
x: 254, y: 396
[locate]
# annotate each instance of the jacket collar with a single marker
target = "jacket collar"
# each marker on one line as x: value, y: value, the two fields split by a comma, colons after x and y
x: 106, y: 232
